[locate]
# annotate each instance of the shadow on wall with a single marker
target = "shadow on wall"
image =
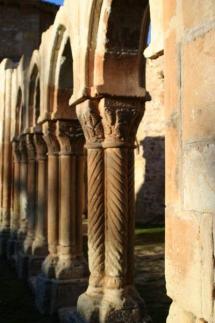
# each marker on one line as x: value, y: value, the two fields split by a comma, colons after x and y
x: 150, y: 199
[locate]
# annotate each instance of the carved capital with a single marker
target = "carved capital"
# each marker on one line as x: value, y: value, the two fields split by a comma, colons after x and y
x: 40, y: 145
x: 23, y: 149
x: 16, y: 150
x: 113, y: 122
x: 91, y: 122
x: 70, y: 137
x: 49, y: 131
x: 30, y: 146
x: 120, y: 119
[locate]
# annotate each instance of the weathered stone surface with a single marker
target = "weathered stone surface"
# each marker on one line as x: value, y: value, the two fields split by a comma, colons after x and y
x: 198, y: 99
x: 196, y: 13
x: 177, y: 314
x: 22, y: 27
x: 198, y: 174
x: 186, y: 263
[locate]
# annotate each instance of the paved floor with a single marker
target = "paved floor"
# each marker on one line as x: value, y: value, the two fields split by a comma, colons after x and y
x: 17, y: 304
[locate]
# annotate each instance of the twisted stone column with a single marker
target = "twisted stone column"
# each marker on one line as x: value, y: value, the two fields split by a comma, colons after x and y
x: 121, y: 117
x: 88, y: 303
x: 71, y: 141
x: 50, y: 262
x: 31, y: 192
x: 39, y: 247
x: 111, y: 125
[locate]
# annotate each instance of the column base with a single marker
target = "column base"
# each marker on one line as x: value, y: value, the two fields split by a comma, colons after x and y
x: 89, y: 307
x: 4, y: 237
x: 28, y: 266
x: 113, y: 306
x: 35, y: 265
x: 70, y: 315
x: 53, y: 294
x: 11, y: 245
x: 123, y: 305
x: 22, y: 265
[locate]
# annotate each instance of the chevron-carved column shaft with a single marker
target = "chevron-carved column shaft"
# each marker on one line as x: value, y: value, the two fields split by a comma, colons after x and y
x: 71, y: 140
x: 80, y: 159
x: 39, y: 246
x: 49, y: 263
x: 90, y: 120
x: 96, y: 216
x: 131, y: 217
x: 120, y: 118
x: 116, y: 262
x: 31, y: 192
x: 16, y: 189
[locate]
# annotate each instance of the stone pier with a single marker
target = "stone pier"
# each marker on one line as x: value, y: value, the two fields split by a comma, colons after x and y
x: 64, y: 271
x: 110, y: 127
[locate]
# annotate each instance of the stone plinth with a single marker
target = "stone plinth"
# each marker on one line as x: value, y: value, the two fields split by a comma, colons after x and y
x: 27, y: 265
x: 4, y: 236
x: 71, y: 315
x: 53, y: 294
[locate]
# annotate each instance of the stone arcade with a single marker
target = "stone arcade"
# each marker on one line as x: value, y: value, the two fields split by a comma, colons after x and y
x: 78, y: 101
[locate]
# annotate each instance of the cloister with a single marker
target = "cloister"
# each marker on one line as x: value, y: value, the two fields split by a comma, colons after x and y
x: 68, y: 123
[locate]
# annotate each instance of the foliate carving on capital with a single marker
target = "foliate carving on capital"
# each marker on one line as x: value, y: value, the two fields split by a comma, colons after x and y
x: 30, y: 147
x: 49, y: 131
x: 121, y: 118
x: 40, y: 145
x: 91, y: 122
x: 70, y: 136
x: 16, y: 150
x: 23, y: 149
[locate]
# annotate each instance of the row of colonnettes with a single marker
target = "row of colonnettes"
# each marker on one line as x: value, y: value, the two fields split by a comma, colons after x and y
x: 74, y: 109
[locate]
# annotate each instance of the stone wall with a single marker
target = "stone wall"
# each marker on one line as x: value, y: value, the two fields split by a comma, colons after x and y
x: 150, y: 159
x: 190, y: 155
x: 21, y: 28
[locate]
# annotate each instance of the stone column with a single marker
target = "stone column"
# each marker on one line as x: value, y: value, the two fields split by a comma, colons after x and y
x: 7, y: 162
x: 88, y: 303
x: 23, y: 190
x: 113, y: 124
x: 64, y: 274
x: 40, y: 247
x: 70, y: 264
x: 16, y: 188
x: 31, y: 192
x: 49, y: 264
x: 15, y: 207
x: 121, y: 118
